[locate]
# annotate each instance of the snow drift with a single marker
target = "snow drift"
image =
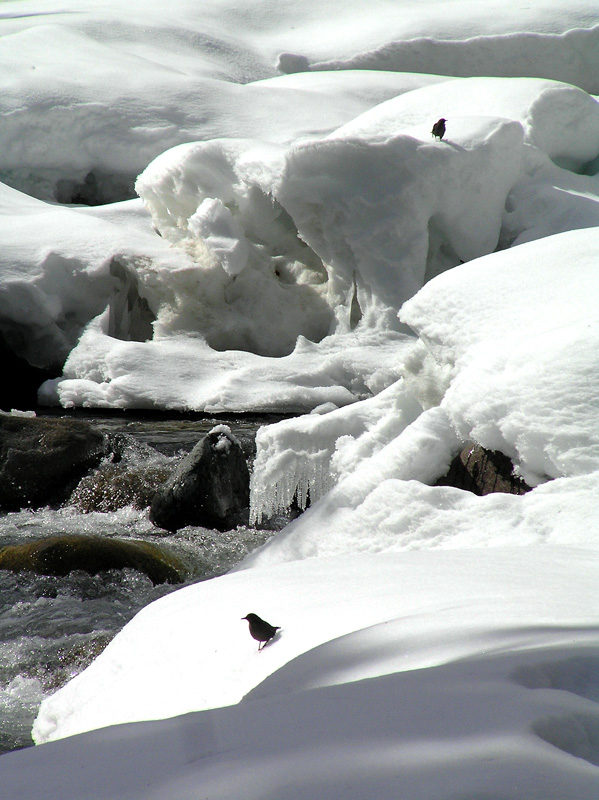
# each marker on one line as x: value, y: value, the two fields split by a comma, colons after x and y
x: 281, y: 245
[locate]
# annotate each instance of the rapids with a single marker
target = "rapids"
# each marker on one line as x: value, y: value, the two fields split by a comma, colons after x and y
x: 52, y: 627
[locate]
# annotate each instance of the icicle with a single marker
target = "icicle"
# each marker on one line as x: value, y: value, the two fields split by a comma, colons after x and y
x: 301, y: 459
x: 287, y: 476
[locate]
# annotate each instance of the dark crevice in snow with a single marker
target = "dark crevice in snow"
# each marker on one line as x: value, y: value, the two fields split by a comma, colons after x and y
x: 575, y: 734
x: 579, y: 675
x: 96, y: 189
x: 355, y: 312
x: 130, y: 316
x: 591, y: 167
x: 20, y: 379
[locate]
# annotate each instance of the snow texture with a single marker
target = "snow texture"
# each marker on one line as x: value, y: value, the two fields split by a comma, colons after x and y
x: 224, y: 208
x: 437, y: 675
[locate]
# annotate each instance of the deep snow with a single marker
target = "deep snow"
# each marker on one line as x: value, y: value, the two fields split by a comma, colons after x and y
x: 429, y: 674
x: 301, y: 243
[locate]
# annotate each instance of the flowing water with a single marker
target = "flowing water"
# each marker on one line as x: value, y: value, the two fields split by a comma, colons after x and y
x: 53, y: 627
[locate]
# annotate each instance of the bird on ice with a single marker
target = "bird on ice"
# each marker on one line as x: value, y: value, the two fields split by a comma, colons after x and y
x: 261, y: 630
x: 439, y: 128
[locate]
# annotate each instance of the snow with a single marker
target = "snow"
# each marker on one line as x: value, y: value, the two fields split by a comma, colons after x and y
x: 436, y: 674
x: 301, y: 243
x: 291, y: 207
x: 332, y: 235
x: 494, y: 366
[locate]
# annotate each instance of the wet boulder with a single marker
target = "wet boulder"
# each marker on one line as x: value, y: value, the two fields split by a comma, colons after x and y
x: 43, y: 458
x: 131, y: 477
x: 59, y: 555
x: 210, y: 487
x: 482, y: 471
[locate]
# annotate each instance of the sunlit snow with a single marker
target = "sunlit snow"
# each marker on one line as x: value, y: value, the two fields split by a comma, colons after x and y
x: 224, y: 206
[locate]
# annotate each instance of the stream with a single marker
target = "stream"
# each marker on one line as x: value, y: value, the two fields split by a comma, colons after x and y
x: 52, y: 627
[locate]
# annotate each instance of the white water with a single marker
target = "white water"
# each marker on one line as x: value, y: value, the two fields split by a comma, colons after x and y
x: 53, y: 627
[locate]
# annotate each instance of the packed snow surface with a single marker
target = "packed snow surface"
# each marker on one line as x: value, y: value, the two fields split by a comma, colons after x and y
x: 431, y: 674
x: 235, y: 207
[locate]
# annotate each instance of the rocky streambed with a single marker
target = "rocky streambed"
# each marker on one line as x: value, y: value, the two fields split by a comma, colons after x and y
x: 79, y: 555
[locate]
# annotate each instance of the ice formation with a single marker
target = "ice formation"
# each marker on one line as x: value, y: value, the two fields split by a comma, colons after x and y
x: 508, y: 359
x: 299, y: 460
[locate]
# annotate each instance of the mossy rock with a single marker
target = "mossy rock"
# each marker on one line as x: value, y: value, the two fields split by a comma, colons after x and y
x: 59, y: 555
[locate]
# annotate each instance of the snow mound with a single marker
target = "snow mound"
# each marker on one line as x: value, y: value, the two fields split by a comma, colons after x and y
x: 513, y: 379
x: 504, y: 344
x: 403, y: 606
x: 347, y: 227
x: 273, y: 250
x: 569, y: 56
x: 560, y: 120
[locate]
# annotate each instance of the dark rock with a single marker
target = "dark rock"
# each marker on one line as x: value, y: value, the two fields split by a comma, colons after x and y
x: 483, y: 471
x: 20, y: 379
x: 42, y: 459
x: 59, y: 555
x: 210, y: 487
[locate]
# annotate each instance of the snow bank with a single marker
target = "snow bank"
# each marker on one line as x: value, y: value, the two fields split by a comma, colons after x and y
x: 151, y: 82
x: 437, y: 675
x: 560, y: 120
x: 183, y: 372
x: 60, y: 267
x: 198, y: 631
x: 364, y: 207
x: 352, y: 225
x: 509, y: 354
x: 523, y: 352
x: 163, y: 77
x: 290, y: 239
x: 565, y: 57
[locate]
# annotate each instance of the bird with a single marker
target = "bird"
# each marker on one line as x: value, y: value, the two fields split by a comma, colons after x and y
x: 261, y: 630
x: 439, y: 128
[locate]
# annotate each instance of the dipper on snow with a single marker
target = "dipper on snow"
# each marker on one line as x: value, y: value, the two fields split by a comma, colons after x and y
x: 261, y: 630
x: 438, y: 130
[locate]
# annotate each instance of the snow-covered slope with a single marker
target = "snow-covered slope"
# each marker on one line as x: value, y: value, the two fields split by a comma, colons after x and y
x: 302, y: 205
x: 301, y: 242
x: 433, y: 674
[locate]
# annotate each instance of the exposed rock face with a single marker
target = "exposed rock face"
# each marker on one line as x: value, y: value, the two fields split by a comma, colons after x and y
x: 59, y: 555
x: 483, y: 471
x: 210, y: 487
x: 41, y: 459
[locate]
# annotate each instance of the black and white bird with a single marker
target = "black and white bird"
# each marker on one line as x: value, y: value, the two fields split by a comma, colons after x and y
x: 261, y: 630
x: 439, y: 128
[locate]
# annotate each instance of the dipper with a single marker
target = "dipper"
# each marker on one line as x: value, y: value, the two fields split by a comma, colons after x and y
x: 261, y: 630
x: 438, y: 130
